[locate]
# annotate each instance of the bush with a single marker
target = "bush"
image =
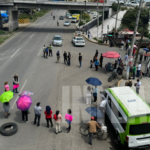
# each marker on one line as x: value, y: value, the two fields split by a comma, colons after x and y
x: 86, y: 16
x: 81, y: 23
x: 95, y: 38
x: 124, y: 8
x: 2, y: 32
x: 100, y: 41
x: 87, y: 21
x: 115, y: 6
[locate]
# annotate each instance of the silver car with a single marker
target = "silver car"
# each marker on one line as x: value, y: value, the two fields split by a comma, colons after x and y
x: 57, y: 40
x: 67, y: 23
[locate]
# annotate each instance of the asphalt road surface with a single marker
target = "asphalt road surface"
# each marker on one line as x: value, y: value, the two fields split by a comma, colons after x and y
x: 53, y: 84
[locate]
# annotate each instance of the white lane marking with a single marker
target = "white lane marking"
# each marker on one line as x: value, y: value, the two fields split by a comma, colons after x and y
x: 31, y: 35
x: 20, y: 92
x: 39, y: 53
x: 15, y: 52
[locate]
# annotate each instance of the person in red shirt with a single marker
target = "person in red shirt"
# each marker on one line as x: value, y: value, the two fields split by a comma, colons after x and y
x: 48, y: 116
x: 134, y: 49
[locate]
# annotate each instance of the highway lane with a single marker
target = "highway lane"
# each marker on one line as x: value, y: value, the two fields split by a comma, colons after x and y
x: 46, y: 79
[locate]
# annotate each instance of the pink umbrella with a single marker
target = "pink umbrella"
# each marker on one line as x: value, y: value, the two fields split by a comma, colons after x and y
x: 111, y: 54
x: 135, y: 46
x: 24, y: 102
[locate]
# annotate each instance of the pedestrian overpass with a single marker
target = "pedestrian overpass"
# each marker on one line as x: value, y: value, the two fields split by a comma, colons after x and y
x: 14, y: 5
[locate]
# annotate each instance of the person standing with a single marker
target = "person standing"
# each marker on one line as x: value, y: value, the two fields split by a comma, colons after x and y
x: 44, y: 48
x: 95, y: 92
x: 80, y: 60
x: 48, y: 116
x: 58, y: 56
x: 6, y: 86
x: 50, y: 50
x: 93, y: 125
x: 15, y: 82
x: 65, y: 57
x: 138, y: 84
x: 134, y: 71
x: 96, y: 54
x: 69, y: 118
x: 127, y: 44
x: 122, y: 45
x: 126, y: 59
x: 96, y: 64
x: 133, y: 53
x: 138, y: 69
x: 6, y: 107
x: 69, y: 58
x: 58, y: 118
x: 37, y: 111
x: 25, y: 115
x: 101, y: 60
x: 46, y: 51
x: 57, y: 23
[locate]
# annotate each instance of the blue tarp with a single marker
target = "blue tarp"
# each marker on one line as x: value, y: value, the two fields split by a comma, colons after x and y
x: 4, y: 15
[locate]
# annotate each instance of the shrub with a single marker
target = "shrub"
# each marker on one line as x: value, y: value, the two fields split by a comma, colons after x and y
x: 81, y: 23
x: 87, y: 21
x: 95, y: 38
x: 2, y: 32
x: 124, y: 8
x: 86, y: 16
x: 100, y: 41
x: 115, y: 6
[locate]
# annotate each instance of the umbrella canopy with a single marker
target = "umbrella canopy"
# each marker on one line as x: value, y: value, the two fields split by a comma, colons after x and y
x: 24, y: 102
x: 6, y: 96
x: 111, y: 54
x: 110, y: 35
x: 146, y: 49
x: 93, y: 111
x: 93, y: 81
x: 26, y: 93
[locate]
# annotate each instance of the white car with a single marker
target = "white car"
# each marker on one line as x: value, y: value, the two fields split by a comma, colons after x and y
x: 120, y: 2
x: 69, y: 16
x: 78, y: 41
x: 94, y: 16
x: 57, y: 40
x: 73, y: 19
x: 67, y: 23
x: 134, y: 4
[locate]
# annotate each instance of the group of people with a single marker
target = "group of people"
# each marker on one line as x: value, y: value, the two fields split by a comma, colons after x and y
x: 47, y: 51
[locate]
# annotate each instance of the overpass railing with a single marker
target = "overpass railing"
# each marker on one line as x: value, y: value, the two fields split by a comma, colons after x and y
x: 6, y: 1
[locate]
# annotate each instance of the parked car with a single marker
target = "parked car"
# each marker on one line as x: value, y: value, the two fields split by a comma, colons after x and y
x: 69, y: 16
x: 134, y: 4
x: 88, y: 11
x: 120, y: 2
x: 61, y: 18
x: 73, y: 19
x: 78, y: 41
x: 94, y: 16
x: 57, y: 40
x: 67, y: 23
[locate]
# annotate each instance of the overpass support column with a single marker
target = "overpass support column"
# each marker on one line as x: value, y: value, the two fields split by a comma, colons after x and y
x: 13, y: 19
x: 1, y: 23
x: 110, y: 12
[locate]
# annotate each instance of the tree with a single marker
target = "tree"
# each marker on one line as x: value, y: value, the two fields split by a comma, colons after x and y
x: 129, y: 20
x: 115, y: 6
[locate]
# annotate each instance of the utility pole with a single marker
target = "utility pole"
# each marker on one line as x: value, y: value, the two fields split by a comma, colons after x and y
x: 116, y: 18
x: 134, y: 35
x: 102, y: 21
x: 97, y: 21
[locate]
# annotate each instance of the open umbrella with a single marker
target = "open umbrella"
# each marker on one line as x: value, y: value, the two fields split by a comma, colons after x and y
x: 111, y: 54
x: 93, y: 111
x: 146, y: 49
x: 24, y: 102
x: 26, y: 93
x: 93, y: 81
x: 110, y: 35
x: 6, y: 96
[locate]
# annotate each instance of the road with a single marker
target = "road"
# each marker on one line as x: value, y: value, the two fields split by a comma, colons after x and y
x: 53, y: 84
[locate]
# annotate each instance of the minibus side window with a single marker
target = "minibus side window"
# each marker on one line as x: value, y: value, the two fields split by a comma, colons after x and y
x: 109, y: 101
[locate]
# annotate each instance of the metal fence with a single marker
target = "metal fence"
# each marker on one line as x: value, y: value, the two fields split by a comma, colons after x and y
x: 6, y: 1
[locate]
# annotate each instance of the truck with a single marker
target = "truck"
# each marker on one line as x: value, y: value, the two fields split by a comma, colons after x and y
x: 77, y: 16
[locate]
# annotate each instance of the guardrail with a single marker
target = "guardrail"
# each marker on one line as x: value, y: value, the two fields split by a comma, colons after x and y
x: 6, y: 1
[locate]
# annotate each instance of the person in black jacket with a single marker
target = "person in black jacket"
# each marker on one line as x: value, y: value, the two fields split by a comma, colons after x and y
x: 80, y: 60
x: 65, y: 57
x: 96, y: 54
x: 15, y: 82
x: 69, y: 58
x: 101, y: 60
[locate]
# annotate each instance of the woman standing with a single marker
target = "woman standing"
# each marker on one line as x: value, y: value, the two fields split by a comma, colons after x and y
x: 69, y: 118
x: 58, y: 118
x: 48, y: 116
x: 15, y: 82
x: 6, y: 86
x: 6, y: 107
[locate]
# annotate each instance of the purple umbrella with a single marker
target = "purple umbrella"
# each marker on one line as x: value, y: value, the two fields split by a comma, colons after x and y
x: 24, y: 102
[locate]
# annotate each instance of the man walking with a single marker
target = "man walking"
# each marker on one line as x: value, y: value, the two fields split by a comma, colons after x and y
x: 50, y: 50
x: 58, y: 56
x: 138, y: 84
x: 65, y: 57
x: 80, y: 60
x: 44, y: 48
x: 37, y: 111
x: 92, y: 129
x: 46, y: 52
x: 69, y: 58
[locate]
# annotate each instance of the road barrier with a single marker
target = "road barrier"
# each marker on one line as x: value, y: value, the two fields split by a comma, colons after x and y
x: 22, y: 21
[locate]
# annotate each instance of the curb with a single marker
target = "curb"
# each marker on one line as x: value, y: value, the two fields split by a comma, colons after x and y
x: 119, y: 82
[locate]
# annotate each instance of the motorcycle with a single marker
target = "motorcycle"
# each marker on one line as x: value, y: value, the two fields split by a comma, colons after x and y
x: 114, y: 74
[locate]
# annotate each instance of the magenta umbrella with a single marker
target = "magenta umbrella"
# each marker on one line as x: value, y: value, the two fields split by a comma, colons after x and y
x: 24, y: 102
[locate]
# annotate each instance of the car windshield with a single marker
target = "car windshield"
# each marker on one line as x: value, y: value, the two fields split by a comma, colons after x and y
x: 79, y: 39
x: 73, y: 18
x: 57, y: 38
x: 66, y: 21
x: 139, y: 129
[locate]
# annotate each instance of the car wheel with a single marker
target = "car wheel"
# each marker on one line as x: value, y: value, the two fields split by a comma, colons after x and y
x: 13, y: 128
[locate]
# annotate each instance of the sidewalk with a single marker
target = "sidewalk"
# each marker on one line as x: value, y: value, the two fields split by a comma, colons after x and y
x: 144, y: 90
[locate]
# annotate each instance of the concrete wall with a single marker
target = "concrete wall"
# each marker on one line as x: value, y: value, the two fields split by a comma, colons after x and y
x: 13, y: 20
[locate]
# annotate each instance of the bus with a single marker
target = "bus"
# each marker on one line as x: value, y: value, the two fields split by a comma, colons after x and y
x: 129, y: 115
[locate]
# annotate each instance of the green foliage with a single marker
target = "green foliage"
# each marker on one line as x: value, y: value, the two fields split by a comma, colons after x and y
x: 81, y: 23
x: 100, y: 41
x: 115, y: 6
x: 2, y: 39
x: 86, y: 16
x: 95, y: 38
x: 124, y: 8
x: 129, y: 20
x: 74, y: 11
x: 87, y: 21
x: 2, y: 32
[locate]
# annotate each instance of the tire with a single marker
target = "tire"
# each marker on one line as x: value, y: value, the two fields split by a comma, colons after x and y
x: 8, y: 132
x: 84, y: 130
x: 110, y: 79
x: 102, y: 135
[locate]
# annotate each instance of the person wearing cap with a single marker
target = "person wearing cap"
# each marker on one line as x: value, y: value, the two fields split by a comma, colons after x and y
x: 37, y: 111
x: 92, y: 129
x: 58, y: 56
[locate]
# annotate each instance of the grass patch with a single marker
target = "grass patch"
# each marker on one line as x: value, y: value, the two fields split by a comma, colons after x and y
x: 3, y: 38
x: 2, y: 32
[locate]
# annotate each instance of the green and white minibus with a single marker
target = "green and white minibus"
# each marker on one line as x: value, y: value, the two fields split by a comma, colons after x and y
x: 129, y: 115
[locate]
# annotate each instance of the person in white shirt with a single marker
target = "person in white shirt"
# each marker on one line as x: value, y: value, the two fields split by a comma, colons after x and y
x: 126, y: 59
x: 138, y: 69
x: 138, y: 84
